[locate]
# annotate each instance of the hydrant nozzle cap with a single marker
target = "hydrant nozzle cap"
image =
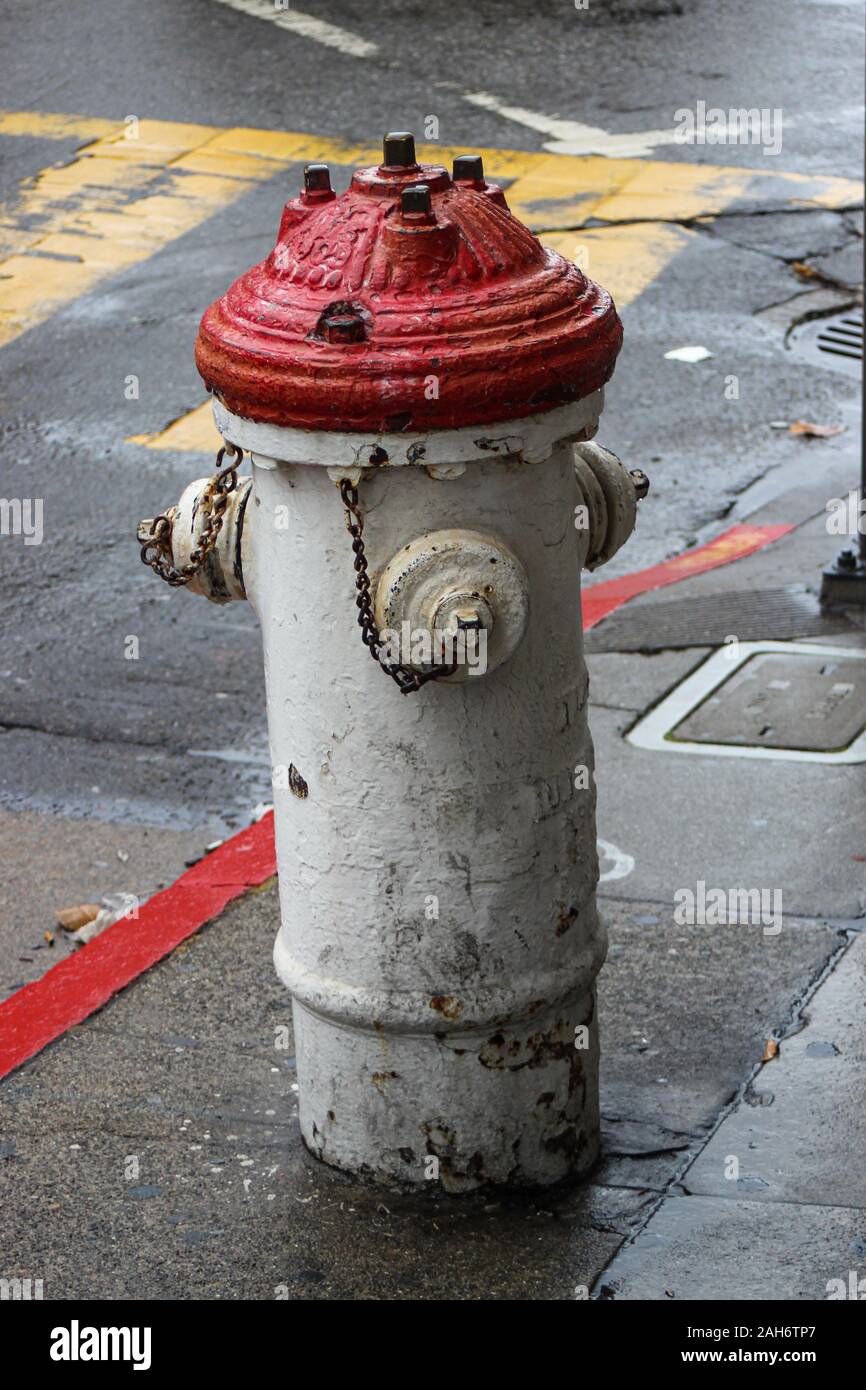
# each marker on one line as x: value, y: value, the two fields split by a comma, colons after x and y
x: 412, y: 301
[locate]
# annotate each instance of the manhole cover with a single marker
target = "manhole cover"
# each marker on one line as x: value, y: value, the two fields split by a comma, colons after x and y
x: 766, y: 700
x: 792, y: 701
x: 707, y: 620
x: 835, y: 342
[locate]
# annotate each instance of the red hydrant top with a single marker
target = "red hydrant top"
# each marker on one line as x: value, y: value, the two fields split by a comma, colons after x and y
x: 412, y: 301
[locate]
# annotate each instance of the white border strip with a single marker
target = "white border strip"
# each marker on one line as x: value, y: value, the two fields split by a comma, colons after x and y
x: 654, y: 730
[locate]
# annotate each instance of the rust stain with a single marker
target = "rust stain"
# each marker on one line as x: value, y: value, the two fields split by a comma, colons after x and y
x: 447, y: 1005
x: 380, y: 1079
x: 566, y: 918
x: 538, y: 1050
x: 297, y: 785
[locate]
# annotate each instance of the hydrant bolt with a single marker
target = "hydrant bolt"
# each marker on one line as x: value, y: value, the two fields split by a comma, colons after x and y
x: 468, y: 168
x: 641, y: 483
x: 398, y: 150
x: 415, y: 201
x: 317, y: 184
x: 344, y: 328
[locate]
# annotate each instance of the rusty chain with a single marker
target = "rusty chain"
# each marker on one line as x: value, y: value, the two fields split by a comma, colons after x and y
x: 214, y: 501
x: 405, y: 677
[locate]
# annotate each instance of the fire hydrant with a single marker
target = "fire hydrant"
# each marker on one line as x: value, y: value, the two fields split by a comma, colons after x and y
x: 410, y: 362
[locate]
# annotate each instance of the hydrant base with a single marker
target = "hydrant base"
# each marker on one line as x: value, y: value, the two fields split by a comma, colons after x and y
x: 512, y: 1107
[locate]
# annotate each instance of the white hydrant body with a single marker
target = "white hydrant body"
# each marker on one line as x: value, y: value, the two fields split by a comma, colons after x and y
x: 436, y: 852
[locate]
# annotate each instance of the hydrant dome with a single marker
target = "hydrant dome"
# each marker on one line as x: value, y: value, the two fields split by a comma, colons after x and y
x: 412, y: 301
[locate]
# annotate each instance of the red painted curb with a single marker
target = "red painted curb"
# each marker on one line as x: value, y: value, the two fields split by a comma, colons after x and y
x: 601, y: 599
x: 76, y: 987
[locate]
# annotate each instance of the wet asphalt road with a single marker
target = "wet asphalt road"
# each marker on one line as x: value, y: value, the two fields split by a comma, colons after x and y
x: 177, y: 739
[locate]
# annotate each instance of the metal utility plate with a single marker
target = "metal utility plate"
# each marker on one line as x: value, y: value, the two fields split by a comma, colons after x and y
x: 787, y: 700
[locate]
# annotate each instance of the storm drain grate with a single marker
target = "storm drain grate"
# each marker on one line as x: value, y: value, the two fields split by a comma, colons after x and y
x: 835, y: 342
x: 705, y: 621
x: 843, y: 338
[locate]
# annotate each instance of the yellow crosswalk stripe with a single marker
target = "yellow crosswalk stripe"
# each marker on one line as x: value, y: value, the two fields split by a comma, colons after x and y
x: 136, y: 186
x: 47, y: 125
x: 114, y: 204
x: 194, y: 431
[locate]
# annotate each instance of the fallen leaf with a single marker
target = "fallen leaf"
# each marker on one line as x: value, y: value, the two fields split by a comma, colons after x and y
x: 815, y: 431
x: 804, y: 270
x: 71, y: 918
x: 771, y: 1050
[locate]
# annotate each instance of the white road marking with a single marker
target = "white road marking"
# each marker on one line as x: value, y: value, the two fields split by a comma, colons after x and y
x: 307, y: 26
x: 571, y: 137
x: 622, y: 864
x: 567, y: 137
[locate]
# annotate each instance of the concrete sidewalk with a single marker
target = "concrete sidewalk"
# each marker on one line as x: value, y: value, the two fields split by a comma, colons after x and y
x: 153, y: 1151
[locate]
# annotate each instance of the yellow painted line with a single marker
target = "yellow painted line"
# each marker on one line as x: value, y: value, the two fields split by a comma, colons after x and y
x: 45, y: 125
x: 120, y: 199
x: 558, y: 189
x: 113, y: 205
x: 623, y: 259
x: 194, y: 431
x: 561, y: 190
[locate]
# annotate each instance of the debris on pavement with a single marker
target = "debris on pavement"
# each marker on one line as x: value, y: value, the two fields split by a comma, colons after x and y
x: 113, y: 907
x: 688, y: 354
x: 810, y: 431
x: 72, y: 918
